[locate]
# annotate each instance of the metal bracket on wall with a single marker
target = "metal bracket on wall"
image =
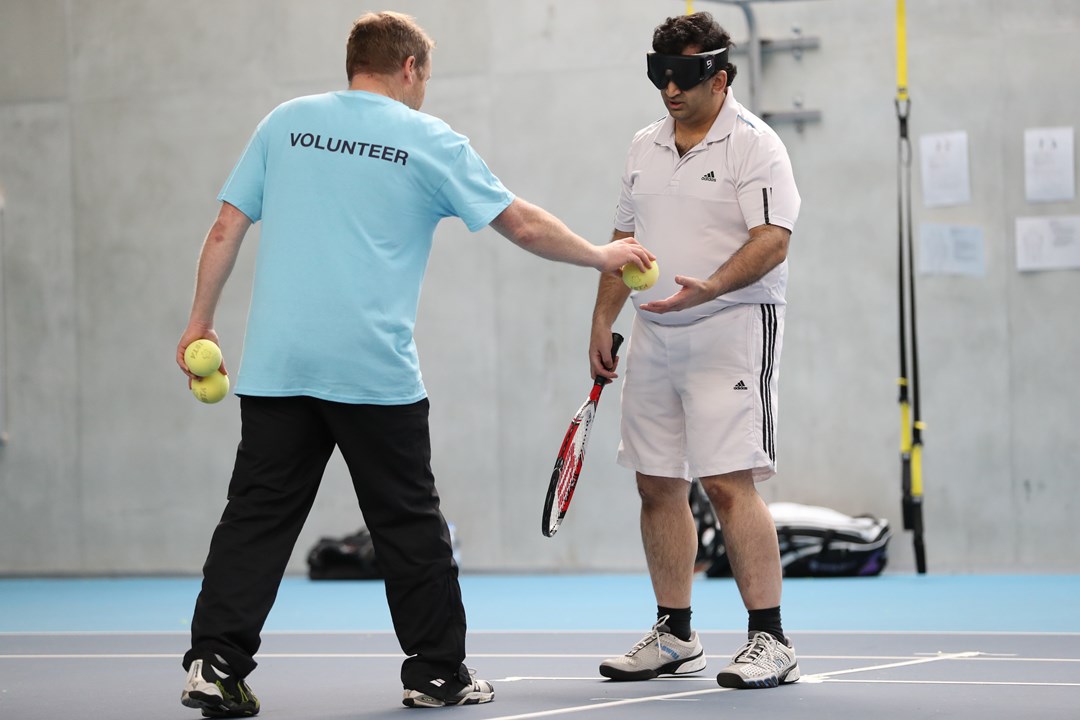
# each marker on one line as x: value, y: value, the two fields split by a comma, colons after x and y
x: 755, y: 49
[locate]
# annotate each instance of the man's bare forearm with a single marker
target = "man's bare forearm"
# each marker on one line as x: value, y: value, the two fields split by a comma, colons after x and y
x: 534, y: 229
x: 216, y: 261
x: 766, y: 249
x: 611, y: 295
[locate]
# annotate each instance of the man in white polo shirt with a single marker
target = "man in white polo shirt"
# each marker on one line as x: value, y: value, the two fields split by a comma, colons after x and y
x: 708, y: 189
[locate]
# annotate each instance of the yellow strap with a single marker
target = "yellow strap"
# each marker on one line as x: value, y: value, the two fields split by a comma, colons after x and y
x: 689, y: 7
x: 905, y: 428
x: 916, y: 471
x: 916, y: 464
x: 901, y: 52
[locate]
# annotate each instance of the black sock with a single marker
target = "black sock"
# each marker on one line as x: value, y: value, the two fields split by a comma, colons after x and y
x: 678, y: 621
x: 767, y: 620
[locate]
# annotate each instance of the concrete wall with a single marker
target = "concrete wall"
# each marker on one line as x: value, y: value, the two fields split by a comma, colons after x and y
x: 120, y: 119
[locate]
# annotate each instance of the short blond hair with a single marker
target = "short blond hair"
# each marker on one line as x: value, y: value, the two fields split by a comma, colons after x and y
x: 381, y: 42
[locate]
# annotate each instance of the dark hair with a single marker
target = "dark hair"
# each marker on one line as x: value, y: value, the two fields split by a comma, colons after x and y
x: 381, y: 42
x: 699, y: 30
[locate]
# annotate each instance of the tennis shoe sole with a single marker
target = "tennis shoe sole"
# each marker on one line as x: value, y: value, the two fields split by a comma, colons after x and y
x: 683, y: 666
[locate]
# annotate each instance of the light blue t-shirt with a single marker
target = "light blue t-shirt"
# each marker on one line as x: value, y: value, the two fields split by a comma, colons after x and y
x: 349, y: 187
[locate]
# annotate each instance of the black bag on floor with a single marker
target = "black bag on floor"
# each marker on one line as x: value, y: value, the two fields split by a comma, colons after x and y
x: 814, y: 541
x: 349, y: 558
x: 353, y: 557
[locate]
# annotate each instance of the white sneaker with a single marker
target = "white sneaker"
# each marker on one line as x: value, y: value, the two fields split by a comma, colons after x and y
x: 475, y: 693
x: 658, y: 653
x: 762, y: 662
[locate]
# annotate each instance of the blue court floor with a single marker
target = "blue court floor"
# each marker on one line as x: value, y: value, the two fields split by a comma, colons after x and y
x: 898, y: 603
x: 888, y: 647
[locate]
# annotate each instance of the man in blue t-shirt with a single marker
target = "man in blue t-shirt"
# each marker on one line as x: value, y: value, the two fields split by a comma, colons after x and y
x: 349, y: 187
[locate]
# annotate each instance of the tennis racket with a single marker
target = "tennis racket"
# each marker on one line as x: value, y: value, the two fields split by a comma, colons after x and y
x: 572, y: 454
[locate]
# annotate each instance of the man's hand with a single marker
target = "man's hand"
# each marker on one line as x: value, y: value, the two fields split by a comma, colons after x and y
x: 601, y: 362
x: 622, y: 251
x: 693, y: 292
x: 191, y: 334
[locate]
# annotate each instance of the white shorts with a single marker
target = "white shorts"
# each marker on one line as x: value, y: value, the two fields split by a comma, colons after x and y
x: 700, y: 399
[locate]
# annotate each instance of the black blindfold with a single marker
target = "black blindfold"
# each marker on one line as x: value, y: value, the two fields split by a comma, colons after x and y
x: 686, y: 71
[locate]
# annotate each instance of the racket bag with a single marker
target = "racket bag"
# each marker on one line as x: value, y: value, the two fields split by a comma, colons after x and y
x: 348, y: 558
x: 353, y: 557
x: 814, y: 541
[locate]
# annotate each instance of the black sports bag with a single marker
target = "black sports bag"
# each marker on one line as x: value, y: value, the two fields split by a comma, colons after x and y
x: 814, y: 541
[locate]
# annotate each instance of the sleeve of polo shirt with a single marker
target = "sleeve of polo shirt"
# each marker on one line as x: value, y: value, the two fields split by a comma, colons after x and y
x: 766, y: 187
x: 624, y: 211
x: 471, y: 191
x: 244, y: 188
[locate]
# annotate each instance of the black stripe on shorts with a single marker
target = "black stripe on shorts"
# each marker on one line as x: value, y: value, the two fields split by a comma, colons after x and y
x: 768, y: 356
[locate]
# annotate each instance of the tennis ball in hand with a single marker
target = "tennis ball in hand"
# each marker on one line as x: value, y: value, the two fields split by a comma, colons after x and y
x: 203, y: 357
x: 635, y: 279
x: 212, y: 388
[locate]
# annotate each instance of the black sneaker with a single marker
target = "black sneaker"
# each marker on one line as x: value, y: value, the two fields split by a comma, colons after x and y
x: 477, y: 692
x: 213, y: 688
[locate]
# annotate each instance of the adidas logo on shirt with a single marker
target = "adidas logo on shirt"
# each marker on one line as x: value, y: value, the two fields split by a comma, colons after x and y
x: 740, y: 386
x: 709, y: 177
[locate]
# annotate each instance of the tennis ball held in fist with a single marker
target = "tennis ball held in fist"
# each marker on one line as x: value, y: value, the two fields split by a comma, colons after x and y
x: 635, y: 279
x: 212, y: 388
x: 203, y: 357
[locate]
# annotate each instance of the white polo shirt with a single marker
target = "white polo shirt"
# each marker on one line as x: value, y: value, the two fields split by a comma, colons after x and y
x: 693, y: 212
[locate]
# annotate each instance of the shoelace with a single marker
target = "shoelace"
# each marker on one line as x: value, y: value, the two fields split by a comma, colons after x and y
x: 759, y: 644
x: 653, y: 636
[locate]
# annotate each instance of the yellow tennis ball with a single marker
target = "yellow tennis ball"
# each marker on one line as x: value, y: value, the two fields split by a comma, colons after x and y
x: 203, y: 357
x: 212, y: 388
x: 635, y: 279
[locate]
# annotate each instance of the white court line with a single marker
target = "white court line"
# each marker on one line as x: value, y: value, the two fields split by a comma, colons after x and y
x: 612, y: 703
x: 631, y: 631
x: 822, y: 677
x: 378, y: 655
x: 904, y: 659
x: 828, y: 677
x: 812, y: 678
x: 1004, y: 683
x: 94, y: 656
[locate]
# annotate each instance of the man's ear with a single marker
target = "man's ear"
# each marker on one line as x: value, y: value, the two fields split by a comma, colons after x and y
x: 409, y: 68
x: 720, y: 81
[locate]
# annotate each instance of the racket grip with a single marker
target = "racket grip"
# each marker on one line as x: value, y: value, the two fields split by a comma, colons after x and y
x: 616, y: 343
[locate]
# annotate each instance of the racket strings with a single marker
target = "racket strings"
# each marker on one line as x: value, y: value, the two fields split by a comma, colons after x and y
x: 573, y: 462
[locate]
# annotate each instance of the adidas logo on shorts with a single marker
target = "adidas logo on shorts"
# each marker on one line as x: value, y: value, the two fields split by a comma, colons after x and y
x: 740, y: 386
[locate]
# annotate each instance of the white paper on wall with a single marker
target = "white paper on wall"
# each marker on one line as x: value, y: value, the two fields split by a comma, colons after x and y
x: 1049, y: 167
x: 943, y: 159
x: 951, y: 250
x: 1048, y: 243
